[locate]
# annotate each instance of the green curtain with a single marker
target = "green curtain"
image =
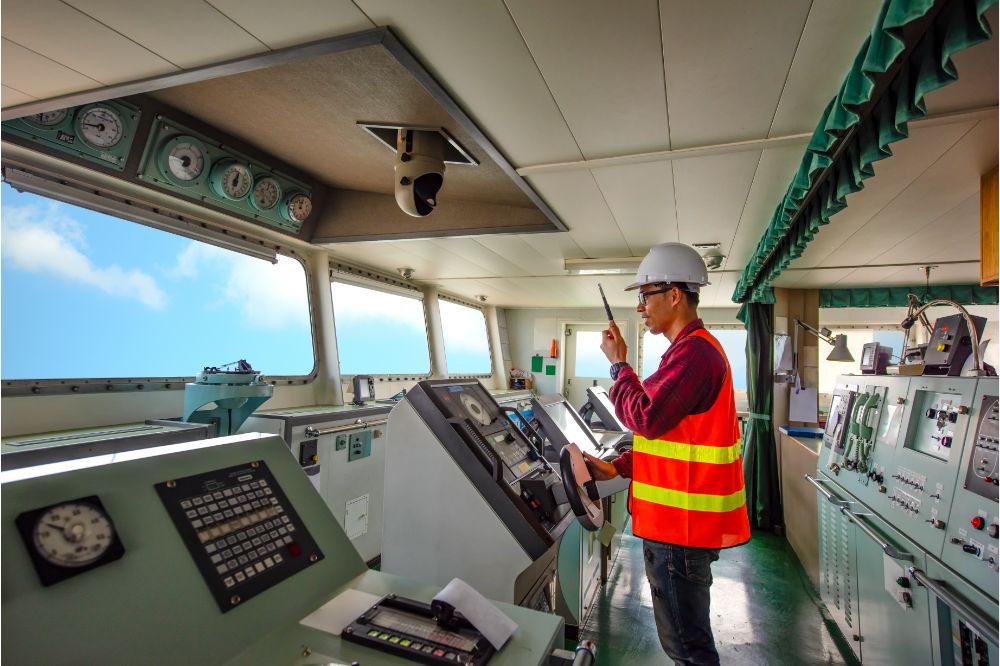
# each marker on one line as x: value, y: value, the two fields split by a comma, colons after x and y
x: 760, y: 455
x: 895, y: 297
x: 927, y: 67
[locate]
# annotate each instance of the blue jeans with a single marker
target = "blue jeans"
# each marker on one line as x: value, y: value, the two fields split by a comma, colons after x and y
x: 680, y: 580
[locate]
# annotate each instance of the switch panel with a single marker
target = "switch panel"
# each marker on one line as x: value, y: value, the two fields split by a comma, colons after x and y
x: 360, y: 445
x: 308, y: 454
x: 341, y: 443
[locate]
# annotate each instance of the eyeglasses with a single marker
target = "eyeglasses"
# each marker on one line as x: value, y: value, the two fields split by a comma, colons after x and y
x: 643, y: 295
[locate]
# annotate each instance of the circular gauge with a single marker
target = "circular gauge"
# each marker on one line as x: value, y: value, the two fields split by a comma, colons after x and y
x: 266, y: 193
x: 182, y: 160
x: 74, y: 534
x: 476, y: 410
x: 49, y: 118
x: 231, y: 180
x: 297, y: 207
x: 100, y: 126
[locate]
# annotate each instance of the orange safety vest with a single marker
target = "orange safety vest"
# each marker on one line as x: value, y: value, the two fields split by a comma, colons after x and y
x: 687, y: 485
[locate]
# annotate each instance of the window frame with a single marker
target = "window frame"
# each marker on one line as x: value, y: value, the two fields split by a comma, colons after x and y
x: 377, y: 282
x: 145, y: 383
x: 489, y: 338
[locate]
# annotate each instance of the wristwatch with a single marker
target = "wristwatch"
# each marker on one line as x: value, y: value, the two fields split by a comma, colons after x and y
x: 617, y: 367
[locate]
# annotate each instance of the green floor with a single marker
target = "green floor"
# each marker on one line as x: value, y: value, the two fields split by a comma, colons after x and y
x: 763, y: 610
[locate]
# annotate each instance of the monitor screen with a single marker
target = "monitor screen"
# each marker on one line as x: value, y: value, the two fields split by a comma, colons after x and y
x: 833, y: 419
x: 604, y: 409
x: 868, y: 355
x: 569, y: 424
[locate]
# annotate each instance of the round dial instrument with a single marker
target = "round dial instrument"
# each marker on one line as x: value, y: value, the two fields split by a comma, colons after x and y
x: 74, y: 534
x: 266, y: 193
x: 100, y: 126
x: 48, y: 118
x: 297, y: 207
x: 184, y: 160
x: 476, y: 410
x: 231, y: 179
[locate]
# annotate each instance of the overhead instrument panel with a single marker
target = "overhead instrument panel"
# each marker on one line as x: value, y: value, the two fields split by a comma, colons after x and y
x: 192, y: 165
x: 101, y: 133
x: 240, y: 529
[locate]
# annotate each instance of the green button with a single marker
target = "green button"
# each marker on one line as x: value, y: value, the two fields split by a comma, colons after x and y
x: 405, y: 642
x: 383, y: 636
x: 373, y: 632
x: 394, y: 639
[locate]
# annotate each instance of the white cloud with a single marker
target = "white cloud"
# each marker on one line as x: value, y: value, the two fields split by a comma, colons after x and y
x: 464, y: 328
x: 42, y: 239
x: 272, y: 298
x: 358, y: 306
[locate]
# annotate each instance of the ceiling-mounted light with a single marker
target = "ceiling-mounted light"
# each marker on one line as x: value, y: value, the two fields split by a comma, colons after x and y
x: 611, y: 266
x: 711, y: 254
x: 405, y: 273
x: 480, y: 297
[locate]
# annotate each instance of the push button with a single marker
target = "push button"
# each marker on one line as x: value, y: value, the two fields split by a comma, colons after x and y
x: 978, y: 522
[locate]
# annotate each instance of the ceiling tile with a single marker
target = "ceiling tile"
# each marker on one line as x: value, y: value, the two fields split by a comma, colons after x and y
x: 38, y: 76
x: 11, y: 97
x: 57, y: 31
x: 577, y: 200
x: 946, y: 184
x: 641, y: 197
x: 831, y: 40
x: 711, y: 193
x: 489, y: 262
x: 280, y: 24
x: 605, y: 72
x: 726, y: 63
x: 954, y: 236
x: 188, y: 33
x: 770, y: 182
x: 478, y: 55
x: 524, y: 253
x: 852, y: 227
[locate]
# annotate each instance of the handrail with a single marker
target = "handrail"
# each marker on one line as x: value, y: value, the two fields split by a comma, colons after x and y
x: 979, y: 621
x: 359, y: 423
x: 886, y: 547
x: 826, y: 493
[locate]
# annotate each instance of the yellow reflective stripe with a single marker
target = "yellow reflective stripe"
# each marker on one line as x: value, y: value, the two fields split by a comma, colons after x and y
x: 689, y: 501
x: 716, y: 455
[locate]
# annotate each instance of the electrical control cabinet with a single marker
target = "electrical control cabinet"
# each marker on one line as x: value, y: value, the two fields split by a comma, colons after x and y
x: 347, y: 466
x: 159, y: 595
x: 902, y: 477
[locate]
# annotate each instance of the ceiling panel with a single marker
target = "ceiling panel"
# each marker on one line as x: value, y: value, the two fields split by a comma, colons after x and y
x: 489, y: 262
x: 559, y: 245
x: 610, y: 43
x: 523, y: 252
x: 188, y: 33
x: 811, y: 279
x: 641, y: 197
x: 57, y: 31
x: 711, y: 193
x: 478, y: 55
x: 832, y: 38
x: 38, y: 76
x: 717, y: 95
x: 770, y: 182
x: 280, y: 24
x: 954, y: 236
x: 942, y: 187
x: 11, y: 97
x: 977, y: 77
x: 849, y: 228
x: 943, y: 274
x: 576, y: 199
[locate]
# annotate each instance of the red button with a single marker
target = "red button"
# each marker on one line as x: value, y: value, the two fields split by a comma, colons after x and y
x: 294, y: 549
x: 978, y: 522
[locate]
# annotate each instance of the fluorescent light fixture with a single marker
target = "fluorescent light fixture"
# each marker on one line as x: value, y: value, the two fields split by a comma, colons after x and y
x: 613, y: 266
x: 118, y: 206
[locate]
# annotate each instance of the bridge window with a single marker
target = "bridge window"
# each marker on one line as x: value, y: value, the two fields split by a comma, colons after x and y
x: 733, y: 341
x: 466, y: 343
x: 88, y: 295
x: 379, y: 332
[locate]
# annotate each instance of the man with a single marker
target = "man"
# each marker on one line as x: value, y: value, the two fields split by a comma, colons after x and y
x: 687, y: 497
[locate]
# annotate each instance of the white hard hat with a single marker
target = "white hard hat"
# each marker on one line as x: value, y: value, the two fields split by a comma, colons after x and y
x: 672, y: 262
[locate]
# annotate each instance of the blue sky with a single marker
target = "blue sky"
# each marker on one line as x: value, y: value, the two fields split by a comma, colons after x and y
x: 87, y: 295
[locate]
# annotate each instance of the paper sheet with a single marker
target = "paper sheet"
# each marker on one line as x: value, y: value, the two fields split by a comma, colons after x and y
x: 340, y: 611
x: 782, y: 353
x: 802, y: 404
x: 477, y: 609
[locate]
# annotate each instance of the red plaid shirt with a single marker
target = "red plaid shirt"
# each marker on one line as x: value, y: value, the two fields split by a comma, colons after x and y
x: 689, y: 379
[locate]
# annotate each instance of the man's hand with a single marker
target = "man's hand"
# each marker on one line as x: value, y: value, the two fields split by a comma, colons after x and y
x: 613, y: 345
x: 599, y: 469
